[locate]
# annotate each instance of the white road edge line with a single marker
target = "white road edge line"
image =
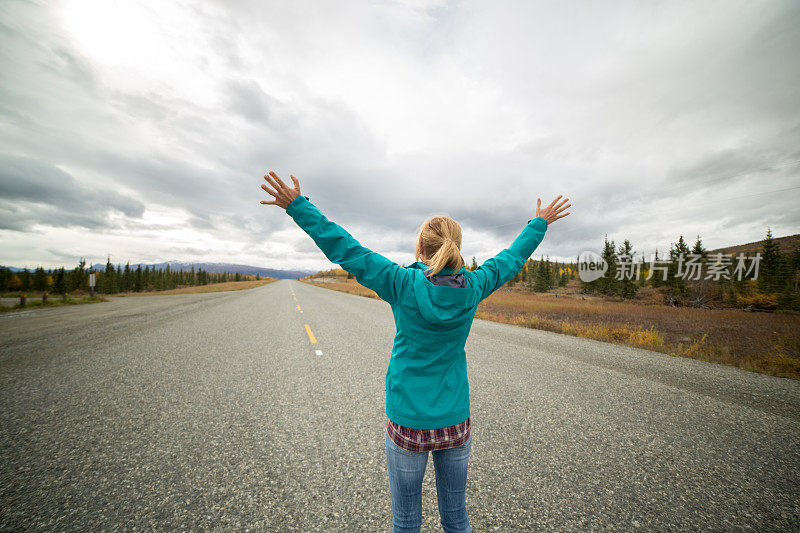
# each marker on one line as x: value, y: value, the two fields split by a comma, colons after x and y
x: 319, y: 352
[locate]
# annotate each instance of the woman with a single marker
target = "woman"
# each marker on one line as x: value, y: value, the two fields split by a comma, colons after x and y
x: 433, y: 302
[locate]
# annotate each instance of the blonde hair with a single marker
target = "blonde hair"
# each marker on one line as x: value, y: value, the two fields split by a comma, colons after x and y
x: 439, y: 240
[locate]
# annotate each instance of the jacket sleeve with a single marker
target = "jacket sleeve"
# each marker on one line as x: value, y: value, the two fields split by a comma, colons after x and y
x: 371, y: 269
x: 498, y: 270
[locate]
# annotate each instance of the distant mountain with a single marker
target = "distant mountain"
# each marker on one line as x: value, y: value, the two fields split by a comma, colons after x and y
x: 232, y: 268
x: 787, y: 245
x: 217, y: 268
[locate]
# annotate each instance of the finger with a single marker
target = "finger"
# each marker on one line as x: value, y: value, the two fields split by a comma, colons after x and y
x: 560, y: 209
x: 296, y: 183
x: 278, y: 179
x: 554, y: 201
x: 270, y: 191
x: 562, y: 202
x: 272, y: 182
x: 271, y: 202
x: 562, y: 216
x: 538, y: 204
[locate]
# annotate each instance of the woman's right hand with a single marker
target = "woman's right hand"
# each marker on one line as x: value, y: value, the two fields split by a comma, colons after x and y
x: 552, y: 212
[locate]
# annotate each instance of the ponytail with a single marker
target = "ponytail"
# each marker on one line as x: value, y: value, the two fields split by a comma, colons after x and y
x: 440, y: 241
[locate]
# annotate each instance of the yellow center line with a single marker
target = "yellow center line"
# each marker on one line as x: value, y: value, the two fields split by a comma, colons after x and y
x: 311, y: 335
x: 298, y: 308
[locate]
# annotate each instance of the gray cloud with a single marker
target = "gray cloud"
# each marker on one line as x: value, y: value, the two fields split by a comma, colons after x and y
x: 37, y: 193
x: 391, y: 112
x: 250, y: 101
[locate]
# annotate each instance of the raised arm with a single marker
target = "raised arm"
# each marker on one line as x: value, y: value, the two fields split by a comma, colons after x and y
x: 497, y: 271
x: 371, y: 269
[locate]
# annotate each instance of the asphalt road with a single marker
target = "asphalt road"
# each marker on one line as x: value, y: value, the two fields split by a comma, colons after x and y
x: 215, y: 411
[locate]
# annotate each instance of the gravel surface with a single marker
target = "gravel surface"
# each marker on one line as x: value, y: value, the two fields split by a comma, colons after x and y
x: 213, y: 411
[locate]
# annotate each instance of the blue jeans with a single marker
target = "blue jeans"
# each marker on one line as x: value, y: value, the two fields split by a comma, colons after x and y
x: 406, y: 470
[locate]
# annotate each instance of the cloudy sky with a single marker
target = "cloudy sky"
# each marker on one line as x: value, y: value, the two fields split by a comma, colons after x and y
x: 141, y: 130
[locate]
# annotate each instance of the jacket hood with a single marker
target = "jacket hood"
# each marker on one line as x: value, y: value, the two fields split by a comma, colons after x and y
x: 442, y: 304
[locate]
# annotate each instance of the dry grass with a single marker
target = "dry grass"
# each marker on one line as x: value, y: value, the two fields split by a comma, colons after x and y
x: 761, y: 342
x: 349, y: 286
x: 213, y: 287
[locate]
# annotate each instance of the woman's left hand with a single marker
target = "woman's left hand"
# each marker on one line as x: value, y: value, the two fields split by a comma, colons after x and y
x: 283, y: 193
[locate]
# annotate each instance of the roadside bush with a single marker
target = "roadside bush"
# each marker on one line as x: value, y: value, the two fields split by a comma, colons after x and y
x: 758, y: 301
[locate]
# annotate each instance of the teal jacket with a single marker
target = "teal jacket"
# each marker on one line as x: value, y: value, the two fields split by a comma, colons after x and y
x: 426, y: 382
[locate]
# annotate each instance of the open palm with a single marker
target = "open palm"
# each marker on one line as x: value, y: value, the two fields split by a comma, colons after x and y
x: 552, y: 212
x: 283, y: 193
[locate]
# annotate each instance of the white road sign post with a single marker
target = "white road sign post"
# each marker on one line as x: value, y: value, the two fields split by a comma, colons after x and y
x: 91, y: 285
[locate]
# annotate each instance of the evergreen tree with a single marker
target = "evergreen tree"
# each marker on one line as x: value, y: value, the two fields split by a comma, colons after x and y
x: 77, y: 276
x: 550, y: 272
x: 59, y: 282
x: 474, y: 264
x: 5, y: 279
x: 109, y: 281
x: 608, y: 283
x: 127, y: 278
x: 626, y: 287
x: 138, y: 278
x: 541, y: 280
x: 676, y: 252
x: 656, y: 276
x: 770, y: 269
x: 698, y: 249
x: 39, y: 280
x: 25, y: 280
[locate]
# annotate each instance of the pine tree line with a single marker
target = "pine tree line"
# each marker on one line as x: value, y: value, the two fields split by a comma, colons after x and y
x: 620, y: 277
x: 110, y: 280
x: 777, y: 284
x: 543, y: 275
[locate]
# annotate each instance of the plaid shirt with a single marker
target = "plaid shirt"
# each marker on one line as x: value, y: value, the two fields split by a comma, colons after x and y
x: 425, y: 440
